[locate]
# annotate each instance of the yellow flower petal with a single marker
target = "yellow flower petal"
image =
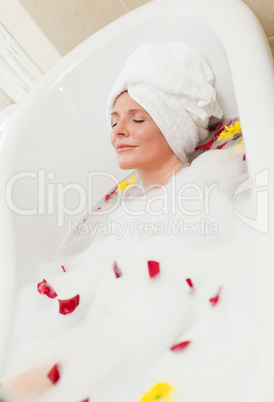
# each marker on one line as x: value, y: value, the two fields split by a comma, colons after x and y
x: 127, y: 183
x: 230, y: 132
x: 159, y: 392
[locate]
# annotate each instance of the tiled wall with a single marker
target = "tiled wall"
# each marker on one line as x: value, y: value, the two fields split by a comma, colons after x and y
x: 68, y: 23
x: 29, y: 35
x: 264, y: 10
x: 48, y: 29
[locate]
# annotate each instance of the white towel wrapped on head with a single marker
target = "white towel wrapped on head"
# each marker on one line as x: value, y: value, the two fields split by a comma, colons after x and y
x: 174, y: 84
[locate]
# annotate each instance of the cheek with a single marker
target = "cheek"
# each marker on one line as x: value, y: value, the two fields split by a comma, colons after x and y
x: 156, y: 141
x: 160, y: 148
x: 148, y: 136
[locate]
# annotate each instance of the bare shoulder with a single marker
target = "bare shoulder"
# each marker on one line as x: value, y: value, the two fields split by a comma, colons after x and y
x: 27, y: 386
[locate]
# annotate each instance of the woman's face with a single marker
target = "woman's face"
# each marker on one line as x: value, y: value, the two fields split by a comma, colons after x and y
x: 138, y: 141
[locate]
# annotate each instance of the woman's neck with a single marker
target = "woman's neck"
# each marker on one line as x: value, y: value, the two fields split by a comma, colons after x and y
x: 159, y: 177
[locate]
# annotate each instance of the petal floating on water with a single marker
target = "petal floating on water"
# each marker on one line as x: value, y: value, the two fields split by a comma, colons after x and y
x: 69, y: 305
x: 180, y: 346
x: 44, y: 288
x: 107, y: 197
x: 153, y: 268
x: 214, y: 300
x: 117, y: 270
x: 54, y: 374
x: 190, y: 283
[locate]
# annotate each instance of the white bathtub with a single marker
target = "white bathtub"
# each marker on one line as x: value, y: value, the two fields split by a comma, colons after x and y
x: 59, y: 134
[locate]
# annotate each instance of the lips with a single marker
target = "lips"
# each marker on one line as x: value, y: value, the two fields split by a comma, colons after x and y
x: 124, y: 147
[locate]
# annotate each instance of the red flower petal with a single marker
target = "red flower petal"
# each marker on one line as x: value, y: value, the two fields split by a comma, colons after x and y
x: 44, y: 288
x: 206, y: 146
x: 69, y: 305
x: 180, y: 346
x: 113, y: 191
x: 189, y: 282
x: 107, y: 197
x: 220, y: 128
x: 99, y: 208
x: 244, y: 157
x: 54, y: 374
x: 221, y: 146
x: 116, y: 270
x: 153, y: 268
x: 85, y: 400
x: 214, y: 300
x: 63, y: 268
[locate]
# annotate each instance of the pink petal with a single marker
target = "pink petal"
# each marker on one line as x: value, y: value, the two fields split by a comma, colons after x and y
x: 189, y: 282
x: 214, y: 300
x: 153, y: 268
x: 44, y: 288
x: 63, y: 268
x: 69, y: 305
x: 180, y: 346
x: 117, y: 270
x: 107, y: 197
x: 54, y: 374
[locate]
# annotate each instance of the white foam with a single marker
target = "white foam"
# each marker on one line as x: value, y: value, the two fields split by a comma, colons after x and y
x: 115, y: 345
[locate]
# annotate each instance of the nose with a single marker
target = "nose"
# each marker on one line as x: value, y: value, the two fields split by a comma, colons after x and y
x: 121, y: 128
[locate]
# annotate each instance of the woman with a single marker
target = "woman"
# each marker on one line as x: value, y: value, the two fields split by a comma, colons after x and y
x: 156, y: 311
x: 138, y: 142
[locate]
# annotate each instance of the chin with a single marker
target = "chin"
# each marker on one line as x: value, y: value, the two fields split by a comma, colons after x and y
x: 126, y: 164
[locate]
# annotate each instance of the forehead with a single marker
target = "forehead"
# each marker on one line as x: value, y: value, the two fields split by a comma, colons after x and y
x: 125, y: 102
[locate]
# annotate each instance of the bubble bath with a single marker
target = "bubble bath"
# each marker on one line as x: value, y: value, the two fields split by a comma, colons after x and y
x: 65, y: 147
x: 121, y: 339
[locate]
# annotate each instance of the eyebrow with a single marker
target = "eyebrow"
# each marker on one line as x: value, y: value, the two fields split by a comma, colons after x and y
x: 130, y: 111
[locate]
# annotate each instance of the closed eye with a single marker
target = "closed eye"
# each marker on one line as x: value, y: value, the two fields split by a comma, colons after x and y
x: 113, y: 125
x: 138, y: 121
